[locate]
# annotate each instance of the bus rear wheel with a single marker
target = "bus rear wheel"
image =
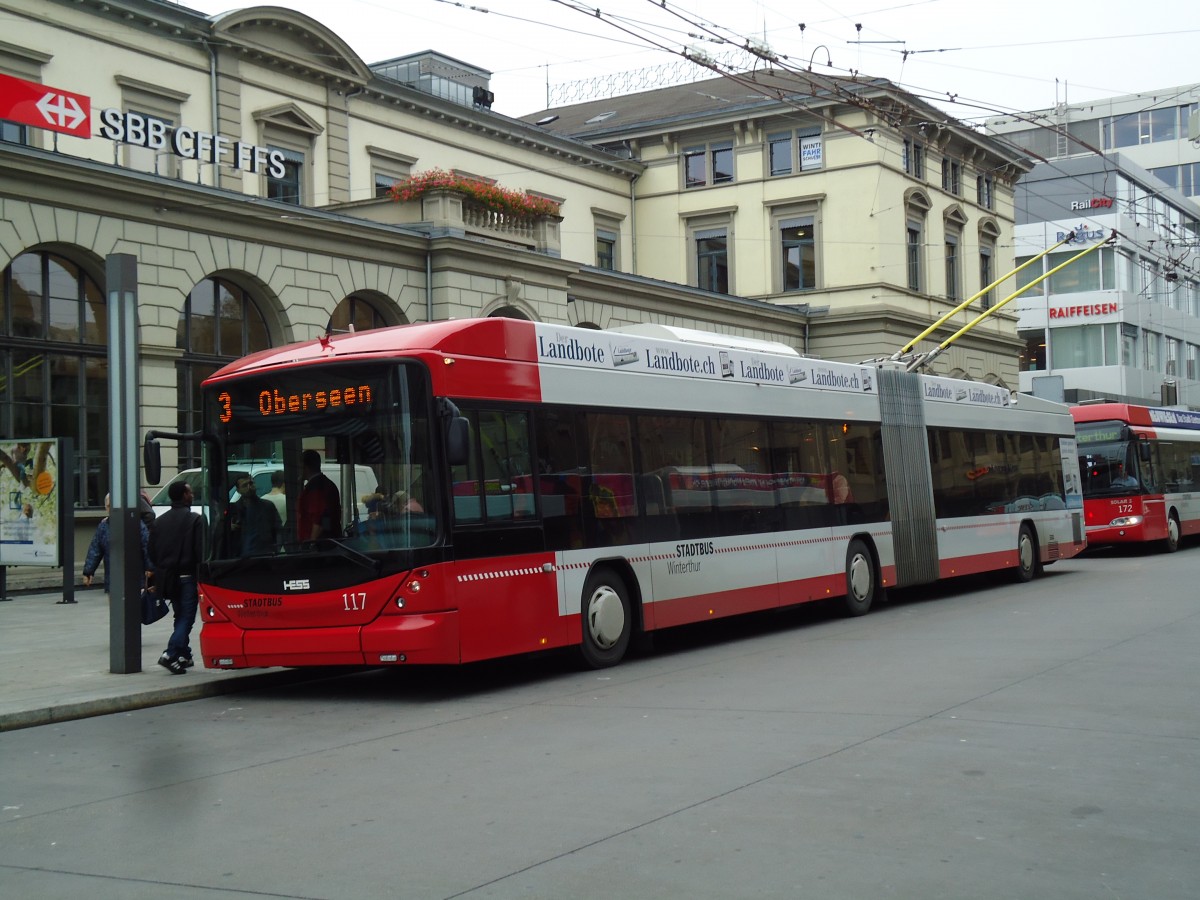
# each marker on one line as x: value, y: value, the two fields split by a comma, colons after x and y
x: 606, y: 617
x: 1171, y: 544
x: 862, y: 579
x: 1027, y: 555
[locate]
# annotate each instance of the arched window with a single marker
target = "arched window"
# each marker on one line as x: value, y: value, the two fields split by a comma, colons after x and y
x: 54, y: 363
x: 219, y: 323
x: 508, y: 312
x: 355, y: 314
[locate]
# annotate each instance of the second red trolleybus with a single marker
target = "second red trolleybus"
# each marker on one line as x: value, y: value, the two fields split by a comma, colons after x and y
x: 1140, y: 468
x: 508, y: 487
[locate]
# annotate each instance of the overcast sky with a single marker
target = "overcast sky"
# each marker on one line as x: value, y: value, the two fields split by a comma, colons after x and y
x: 994, y: 57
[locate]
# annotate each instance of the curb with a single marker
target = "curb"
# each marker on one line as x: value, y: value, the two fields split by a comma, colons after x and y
x: 67, y: 712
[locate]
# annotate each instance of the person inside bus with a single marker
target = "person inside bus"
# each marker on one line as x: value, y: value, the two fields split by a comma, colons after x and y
x: 254, y: 524
x: 319, y: 509
x: 278, y: 494
x: 1124, y: 478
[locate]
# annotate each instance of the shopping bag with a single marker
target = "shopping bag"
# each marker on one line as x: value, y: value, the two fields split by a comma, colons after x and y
x: 154, y: 606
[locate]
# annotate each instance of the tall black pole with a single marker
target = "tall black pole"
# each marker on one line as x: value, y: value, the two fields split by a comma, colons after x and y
x: 124, y: 535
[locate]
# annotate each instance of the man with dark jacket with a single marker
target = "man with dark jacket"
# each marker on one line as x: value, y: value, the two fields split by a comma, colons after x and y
x: 175, y: 549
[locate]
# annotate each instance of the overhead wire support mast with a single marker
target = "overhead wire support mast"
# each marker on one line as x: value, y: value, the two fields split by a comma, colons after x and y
x: 925, y: 359
x: 908, y: 348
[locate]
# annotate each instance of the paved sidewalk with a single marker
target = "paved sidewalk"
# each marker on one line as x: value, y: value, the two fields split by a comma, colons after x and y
x: 54, y: 663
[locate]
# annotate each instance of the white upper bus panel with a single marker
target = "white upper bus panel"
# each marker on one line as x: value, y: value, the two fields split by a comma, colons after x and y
x: 709, y: 338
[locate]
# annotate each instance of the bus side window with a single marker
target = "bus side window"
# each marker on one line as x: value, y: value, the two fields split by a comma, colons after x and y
x: 612, y: 502
x: 465, y: 481
x: 560, y: 484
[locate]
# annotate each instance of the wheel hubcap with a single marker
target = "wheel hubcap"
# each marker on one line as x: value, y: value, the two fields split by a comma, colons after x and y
x: 606, y: 617
x: 1026, y: 552
x: 860, y: 578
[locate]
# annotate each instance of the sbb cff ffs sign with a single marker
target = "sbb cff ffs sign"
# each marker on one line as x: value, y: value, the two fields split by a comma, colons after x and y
x: 42, y: 106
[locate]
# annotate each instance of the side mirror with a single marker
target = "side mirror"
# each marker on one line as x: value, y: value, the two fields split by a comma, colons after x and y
x: 458, y: 440
x: 1144, y: 451
x: 152, y: 460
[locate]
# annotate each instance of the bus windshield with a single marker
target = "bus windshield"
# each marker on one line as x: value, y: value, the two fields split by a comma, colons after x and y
x: 319, y: 458
x: 1108, y: 468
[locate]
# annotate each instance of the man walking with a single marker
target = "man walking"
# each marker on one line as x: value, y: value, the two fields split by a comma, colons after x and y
x: 175, y: 548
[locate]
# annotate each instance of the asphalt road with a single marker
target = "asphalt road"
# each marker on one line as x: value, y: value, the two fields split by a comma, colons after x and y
x: 977, y: 740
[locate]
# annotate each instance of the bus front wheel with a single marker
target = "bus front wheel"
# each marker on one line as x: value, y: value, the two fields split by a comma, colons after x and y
x: 1172, y: 542
x: 862, y: 579
x: 606, y: 616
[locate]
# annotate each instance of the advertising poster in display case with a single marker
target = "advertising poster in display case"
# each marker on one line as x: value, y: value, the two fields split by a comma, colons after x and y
x: 29, y: 502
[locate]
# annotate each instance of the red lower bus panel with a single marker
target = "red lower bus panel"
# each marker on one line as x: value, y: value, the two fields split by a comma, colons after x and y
x: 431, y: 638
x: 974, y: 565
x: 1098, y: 513
x: 421, y: 638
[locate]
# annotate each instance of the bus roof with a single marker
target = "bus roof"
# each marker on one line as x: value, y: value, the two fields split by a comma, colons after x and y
x: 522, y: 361
x: 1143, y: 416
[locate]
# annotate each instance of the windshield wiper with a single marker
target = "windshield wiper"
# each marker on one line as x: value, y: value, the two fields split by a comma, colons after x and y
x: 348, y: 552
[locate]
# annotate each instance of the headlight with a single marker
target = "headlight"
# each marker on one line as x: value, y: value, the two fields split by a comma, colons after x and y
x: 1126, y: 521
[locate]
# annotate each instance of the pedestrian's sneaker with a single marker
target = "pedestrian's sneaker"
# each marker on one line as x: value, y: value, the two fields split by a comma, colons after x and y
x: 165, y: 660
x: 172, y: 664
x: 186, y: 661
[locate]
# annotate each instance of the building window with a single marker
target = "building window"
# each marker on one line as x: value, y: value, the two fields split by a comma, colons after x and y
x: 1094, y: 272
x: 606, y: 250
x: 1033, y: 359
x: 384, y: 185
x: 12, y: 133
x: 1129, y: 344
x: 388, y: 168
x: 152, y: 110
x: 218, y: 324
x: 951, y: 176
x: 695, y: 167
x: 1168, y: 175
x: 914, y: 159
x: 1172, y: 357
x: 953, y: 267
x: 779, y: 152
x: 987, y: 273
x: 355, y: 313
x: 1151, y: 351
x: 985, y: 192
x: 287, y: 188
x: 1083, y: 346
x: 151, y: 153
x: 913, y: 246
x: 54, y: 362
x: 1193, y: 362
x: 712, y: 260
x: 707, y: 165
x: 798, y: 246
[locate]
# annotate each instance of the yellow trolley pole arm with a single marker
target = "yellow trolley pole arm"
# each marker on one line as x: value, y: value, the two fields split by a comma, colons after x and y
x: 937, y: 351
x: 938, y: 324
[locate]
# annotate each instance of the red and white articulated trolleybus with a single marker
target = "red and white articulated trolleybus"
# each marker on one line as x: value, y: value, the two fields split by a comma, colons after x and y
x: 1140, y: 468
x: 536, y: 486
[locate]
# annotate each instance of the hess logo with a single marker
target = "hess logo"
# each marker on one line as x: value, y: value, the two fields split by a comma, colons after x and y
x: 296, y: 584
